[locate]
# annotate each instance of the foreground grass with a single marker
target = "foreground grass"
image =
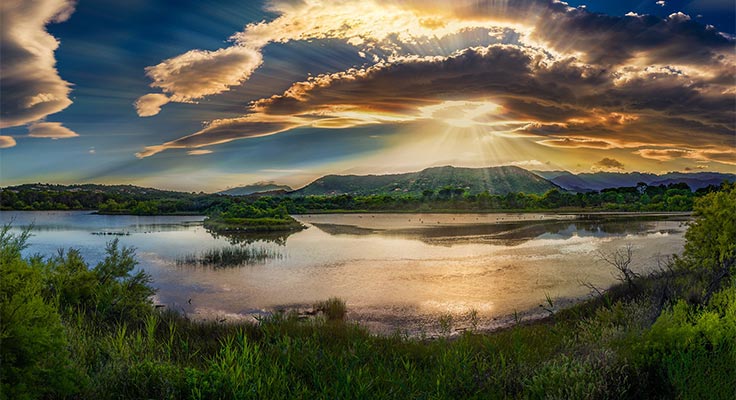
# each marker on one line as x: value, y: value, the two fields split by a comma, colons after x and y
x: 616, y: 346
x: 627, y: 343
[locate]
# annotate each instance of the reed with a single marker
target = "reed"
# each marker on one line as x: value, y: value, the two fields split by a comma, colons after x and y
x: 229, y: 256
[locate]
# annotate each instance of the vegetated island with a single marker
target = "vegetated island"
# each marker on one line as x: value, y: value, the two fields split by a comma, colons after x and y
x: 70, y: 330
x: 245, y: 218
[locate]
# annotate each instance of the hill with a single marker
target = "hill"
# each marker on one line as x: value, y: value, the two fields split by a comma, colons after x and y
x: 105, y: 198
x: 587, y: 182
x: 495, y: 180
x: 258, y: 187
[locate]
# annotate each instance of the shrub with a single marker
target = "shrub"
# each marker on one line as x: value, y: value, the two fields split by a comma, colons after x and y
x: 333, y: 308
x: 33, y: 352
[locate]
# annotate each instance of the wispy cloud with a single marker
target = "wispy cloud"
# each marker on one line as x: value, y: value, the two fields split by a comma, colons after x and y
x: 30, y: 84
x: 724, y: 156
x: 199, y: 152
x: 50, y: 130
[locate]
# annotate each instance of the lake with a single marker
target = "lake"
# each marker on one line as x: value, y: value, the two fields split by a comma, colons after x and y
x: 395, y: 271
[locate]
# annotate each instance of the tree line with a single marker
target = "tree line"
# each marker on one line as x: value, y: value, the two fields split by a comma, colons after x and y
x: 672, y: 197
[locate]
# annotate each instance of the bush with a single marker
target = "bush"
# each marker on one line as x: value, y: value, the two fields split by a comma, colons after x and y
x: 33, y: 353
x: 711, y: 239
x: 333, y: 308
x: 691, y: 350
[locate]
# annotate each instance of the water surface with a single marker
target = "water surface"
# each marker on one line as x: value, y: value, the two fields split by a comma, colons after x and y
x: 396, y: 271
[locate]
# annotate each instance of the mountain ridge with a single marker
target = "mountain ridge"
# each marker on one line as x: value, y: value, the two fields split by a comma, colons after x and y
x: 256, y: 188
x: 596, y: 181
x: 496, y: 180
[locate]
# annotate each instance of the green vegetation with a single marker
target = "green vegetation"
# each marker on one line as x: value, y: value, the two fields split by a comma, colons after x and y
x: 258, y: 187
x: 333, y: 308
x: 493, y: 180
x: 70, y: 331
x: 239, y: 216
x: 117, y: 199
x: 226, y: 210
x: 232, y: 256
x: 675, y: 197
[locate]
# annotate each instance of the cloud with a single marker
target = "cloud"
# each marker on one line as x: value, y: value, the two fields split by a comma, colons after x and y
x: 661, y: 3
x: 150, y: 104
x: 608, y: 164
x: 199, y: 152
x: 6, y: 141
x: 528, y: 163
x: 576, y: 143
x: 196, y: 74
x: 571, y: 103
x: 662, y: 154
x: 623, y: 82
x: 30, y: 84
x: 723, y: 156
x: 51, y: 130
x: 222, y: 131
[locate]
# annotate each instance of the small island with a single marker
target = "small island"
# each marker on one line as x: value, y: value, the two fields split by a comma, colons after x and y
x: 239, y: 217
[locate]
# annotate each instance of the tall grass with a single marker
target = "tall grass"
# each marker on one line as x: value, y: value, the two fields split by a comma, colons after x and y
x: 231, y: 256
x: 334, y: 309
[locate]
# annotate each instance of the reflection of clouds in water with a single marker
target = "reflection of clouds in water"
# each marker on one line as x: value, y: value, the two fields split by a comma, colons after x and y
x: 571, y: 245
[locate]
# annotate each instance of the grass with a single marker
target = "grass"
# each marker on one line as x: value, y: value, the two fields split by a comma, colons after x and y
x: 230, y: 256
x: 334, y: 309
x: 604, y: 348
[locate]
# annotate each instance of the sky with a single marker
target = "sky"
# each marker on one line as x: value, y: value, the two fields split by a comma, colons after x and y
x: 205, y: 95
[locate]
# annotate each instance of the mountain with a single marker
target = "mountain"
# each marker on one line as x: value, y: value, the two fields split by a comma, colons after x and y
x: 586, y: 182
x: 496, y: 180
x: 258, y: 187
x: 119, y: 190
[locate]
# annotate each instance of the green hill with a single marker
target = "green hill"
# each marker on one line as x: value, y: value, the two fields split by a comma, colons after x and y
x: 258, y: 187
x: 495, y: 180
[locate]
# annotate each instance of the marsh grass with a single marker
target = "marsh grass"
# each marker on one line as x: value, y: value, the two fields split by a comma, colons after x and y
x: 230, y: 256
x: 334, y: 308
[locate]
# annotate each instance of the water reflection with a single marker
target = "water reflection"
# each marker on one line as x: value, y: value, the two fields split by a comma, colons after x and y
x: 245, y: 239
x: 509, y: 233
x: 395, y: 271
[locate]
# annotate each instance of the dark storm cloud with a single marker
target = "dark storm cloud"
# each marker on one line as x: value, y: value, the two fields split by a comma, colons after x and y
x: 613, y: 40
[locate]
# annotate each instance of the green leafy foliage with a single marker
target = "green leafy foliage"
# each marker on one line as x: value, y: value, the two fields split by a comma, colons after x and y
x: 35, y: 361
x: 711, y: 239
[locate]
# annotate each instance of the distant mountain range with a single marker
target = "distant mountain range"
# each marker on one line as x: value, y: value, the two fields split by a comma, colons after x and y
x: 587, y: 182
x: 496, y: 180
x: 258, y: 187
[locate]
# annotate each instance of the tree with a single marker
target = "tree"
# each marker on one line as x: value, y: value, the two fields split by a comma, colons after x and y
x: 35, y: 361
x: 711, y: 238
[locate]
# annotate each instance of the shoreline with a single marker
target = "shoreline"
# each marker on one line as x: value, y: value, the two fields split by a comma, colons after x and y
x: 595, y: 212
